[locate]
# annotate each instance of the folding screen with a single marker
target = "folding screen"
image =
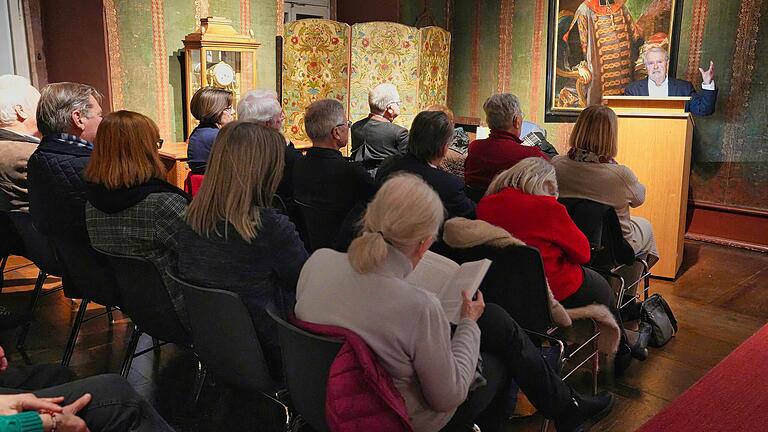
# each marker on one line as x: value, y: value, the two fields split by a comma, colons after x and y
x: 328, y: 59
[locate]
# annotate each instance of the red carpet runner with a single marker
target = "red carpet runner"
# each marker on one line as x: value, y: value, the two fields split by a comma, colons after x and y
x: 732, y: 397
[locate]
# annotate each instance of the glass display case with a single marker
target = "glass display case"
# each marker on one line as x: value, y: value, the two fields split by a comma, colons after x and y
x: 217, y: 55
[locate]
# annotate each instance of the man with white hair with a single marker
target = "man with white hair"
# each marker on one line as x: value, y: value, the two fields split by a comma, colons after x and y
x: 375, y: 137
x: 262, y: 106
x: 503, y: 148
x: 18, y: 139
x: 659, y: 84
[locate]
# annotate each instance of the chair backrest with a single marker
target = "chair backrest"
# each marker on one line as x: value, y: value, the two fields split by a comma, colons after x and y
x: 516, y: 281
x: 307, y: 358
x: 320, y: 226
x: 37, y: 247
x: 144, y: 297
x: 86, y: 273
x: 601, y: 226
x: 474, y: 193
x: 192, y: 183
x: 225, y: 338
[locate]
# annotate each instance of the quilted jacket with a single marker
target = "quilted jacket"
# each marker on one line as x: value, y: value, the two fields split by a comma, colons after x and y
x: 360, y: 395
x: 57, y: 188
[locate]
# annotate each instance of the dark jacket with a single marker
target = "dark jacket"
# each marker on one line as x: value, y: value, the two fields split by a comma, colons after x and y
x: 199, y: 146
x: 263, y: 271
x: 701, y: 104
x: 15, y: 150
x: 374, y: 140
x: 57, y: 191
x: 325, y: 179
x: 448, y: 186
x: 285, y: 189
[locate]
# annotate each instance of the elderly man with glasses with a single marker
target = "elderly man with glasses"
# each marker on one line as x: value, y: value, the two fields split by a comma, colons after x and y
x: 375, y: 137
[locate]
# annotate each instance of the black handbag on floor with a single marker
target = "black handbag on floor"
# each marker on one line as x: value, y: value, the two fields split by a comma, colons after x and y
x: 657, y: 313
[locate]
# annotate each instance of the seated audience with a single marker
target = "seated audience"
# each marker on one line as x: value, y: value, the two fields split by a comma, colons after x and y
x: 457, y: 150
x: 590, y: 171
x: 18, y: 139
x: 375, y: 137
x: 262, y: 106
x: 428, y: 141
x: 233, y: 240
x: 131, y: 209
x: 407, y: 329
x: 523, y: 201
x: 503, y: 148
x: 68, y: 116
x: 212, y: 107
x: 98, y: 403
x: 534, y: 136
x: 324, y: 178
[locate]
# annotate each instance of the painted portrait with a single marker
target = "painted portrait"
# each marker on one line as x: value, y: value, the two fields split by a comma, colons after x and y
x: 595, y: 48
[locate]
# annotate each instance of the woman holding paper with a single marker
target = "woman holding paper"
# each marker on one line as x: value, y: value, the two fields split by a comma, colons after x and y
x: 365, y: 291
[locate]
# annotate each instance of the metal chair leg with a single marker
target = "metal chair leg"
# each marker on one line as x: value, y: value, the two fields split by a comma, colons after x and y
x: 70, y: 349
x: 110, y: 318
x: 36, y: 294
x: 2, y: 270
x: 197, y: 390
x: 133, y: 342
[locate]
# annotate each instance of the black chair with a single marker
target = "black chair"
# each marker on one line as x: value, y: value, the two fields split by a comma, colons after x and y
x: 474, y: 193
x: 145, y: 299
x: 612, y: 255
x: 226, y: 341
x: 516, y: 281
x: 87, y: 275
x: 37, y: 248
x: 10, y: 243
x: 307, y: 358
x: 319, y: 227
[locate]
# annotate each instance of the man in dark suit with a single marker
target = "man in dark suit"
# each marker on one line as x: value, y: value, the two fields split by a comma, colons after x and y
x: 375, y: 137
x: 324, y: 178
x: 430, y: 135
x: 658, y: 84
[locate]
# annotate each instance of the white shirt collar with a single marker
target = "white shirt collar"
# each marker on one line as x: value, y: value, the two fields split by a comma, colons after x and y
x: 660, y: 90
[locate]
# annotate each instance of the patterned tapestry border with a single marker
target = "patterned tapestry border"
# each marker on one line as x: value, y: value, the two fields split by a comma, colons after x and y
x: 161, y: 69
x: 698, y: 24
x: 505, y: 44
x: 474, y: 97
x: 116, y: 75
x: 538, y: 31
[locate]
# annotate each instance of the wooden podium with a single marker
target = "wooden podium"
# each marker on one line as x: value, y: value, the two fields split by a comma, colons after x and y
x: 655, y: 142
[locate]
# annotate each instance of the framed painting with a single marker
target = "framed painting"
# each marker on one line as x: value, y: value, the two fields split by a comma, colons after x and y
x: 595, y: 48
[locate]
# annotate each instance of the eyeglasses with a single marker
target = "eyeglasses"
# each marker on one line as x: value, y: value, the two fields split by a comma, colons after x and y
x: 398, y: 103
x: 159, y: 143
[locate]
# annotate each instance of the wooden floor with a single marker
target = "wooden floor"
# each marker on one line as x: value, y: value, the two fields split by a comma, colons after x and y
x: 720, y: 298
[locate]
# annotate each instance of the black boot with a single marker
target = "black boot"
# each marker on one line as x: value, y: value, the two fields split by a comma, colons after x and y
x: 586, y: 411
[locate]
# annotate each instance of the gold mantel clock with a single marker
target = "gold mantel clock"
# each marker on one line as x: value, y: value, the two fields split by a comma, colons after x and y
x: 218, y: 56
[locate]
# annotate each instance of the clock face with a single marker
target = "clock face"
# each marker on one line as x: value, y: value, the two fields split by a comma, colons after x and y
x: 223, y: 73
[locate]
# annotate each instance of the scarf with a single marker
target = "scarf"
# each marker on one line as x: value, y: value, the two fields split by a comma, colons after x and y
x: 72, y: 140
x: 116, y: 200
x: 581, y: 155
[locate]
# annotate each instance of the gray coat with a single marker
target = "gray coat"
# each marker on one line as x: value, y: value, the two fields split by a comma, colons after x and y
x: 15, y: 150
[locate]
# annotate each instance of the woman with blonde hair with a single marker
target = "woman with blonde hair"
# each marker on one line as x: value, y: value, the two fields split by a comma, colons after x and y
x: 131, y: 209
x: 212, y: 107
x: 523, y: 201
x: 590, y: 171
x: 366, y: 292
x: 233, y: 239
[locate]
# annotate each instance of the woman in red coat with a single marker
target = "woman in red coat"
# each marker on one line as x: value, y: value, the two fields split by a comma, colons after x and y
x: 523, y: 201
